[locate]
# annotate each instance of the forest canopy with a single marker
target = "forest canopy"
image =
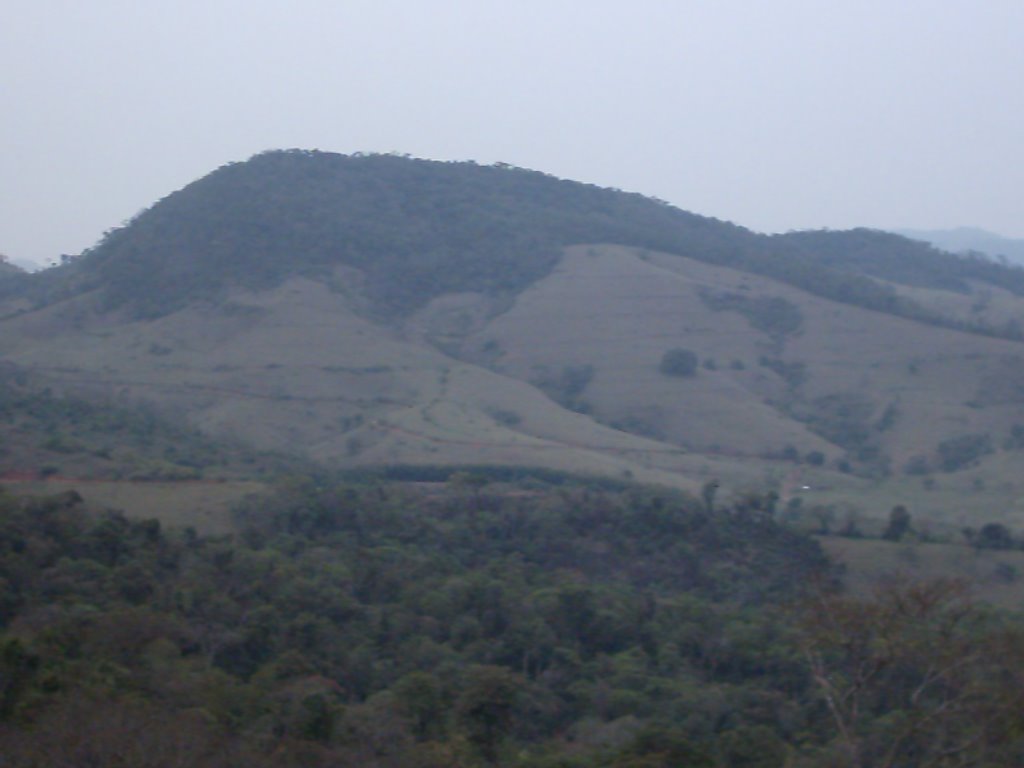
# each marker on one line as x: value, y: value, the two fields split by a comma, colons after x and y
x: 377, y: 625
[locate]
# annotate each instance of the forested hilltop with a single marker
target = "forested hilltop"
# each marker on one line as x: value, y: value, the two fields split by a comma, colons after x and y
x: 418, y: 229
x: 476, y: 625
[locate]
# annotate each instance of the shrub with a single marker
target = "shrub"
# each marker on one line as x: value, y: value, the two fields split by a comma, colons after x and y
x: 679, y: 362
x: 959, y: 452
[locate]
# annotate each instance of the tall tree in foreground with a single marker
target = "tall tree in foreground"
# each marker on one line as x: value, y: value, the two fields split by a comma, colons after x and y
x: 915, y: 676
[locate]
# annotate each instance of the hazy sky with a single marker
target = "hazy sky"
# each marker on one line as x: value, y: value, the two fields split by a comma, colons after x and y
x: 775, y: 114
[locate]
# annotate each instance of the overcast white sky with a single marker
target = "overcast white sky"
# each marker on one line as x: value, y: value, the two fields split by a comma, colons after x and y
x: 781, y: 114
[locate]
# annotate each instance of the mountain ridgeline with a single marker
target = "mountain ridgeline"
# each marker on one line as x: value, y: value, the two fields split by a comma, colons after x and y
x: 971, y: 240
x: 417, y: 229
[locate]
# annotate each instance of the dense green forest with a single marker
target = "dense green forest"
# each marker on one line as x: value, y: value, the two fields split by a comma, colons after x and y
x: 417, y: 229
x: 474, y: 624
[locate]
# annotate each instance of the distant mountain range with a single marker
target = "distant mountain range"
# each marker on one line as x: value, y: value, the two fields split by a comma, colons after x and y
x: 970, y: 239
x: 7, y: 263
x: 383, y: 312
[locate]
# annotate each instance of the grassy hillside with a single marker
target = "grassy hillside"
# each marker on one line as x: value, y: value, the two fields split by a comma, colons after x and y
x: 125, y: 457
x: 297, y: 371
x: 43, y: 433
x: 369, y: 311
x: 781, y: 374
x: 789, y: 389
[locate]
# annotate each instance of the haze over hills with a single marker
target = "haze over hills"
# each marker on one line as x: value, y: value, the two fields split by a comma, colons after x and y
x: 373, y: 311
x: 970, y: 239
x: 7, y: 268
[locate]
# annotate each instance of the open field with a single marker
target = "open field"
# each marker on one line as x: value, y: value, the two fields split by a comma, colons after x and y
x: 941, y: 504
x: 994, y: 576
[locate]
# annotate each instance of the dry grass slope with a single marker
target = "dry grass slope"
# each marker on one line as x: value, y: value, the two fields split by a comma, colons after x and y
x: 566, y: 375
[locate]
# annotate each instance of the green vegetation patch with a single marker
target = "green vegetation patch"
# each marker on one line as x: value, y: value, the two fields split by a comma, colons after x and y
x: 679, y: 362
x: 377, y: 625
x: 773, y: 315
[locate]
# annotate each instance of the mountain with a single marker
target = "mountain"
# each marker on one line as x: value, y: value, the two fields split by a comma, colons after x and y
x: 418, y: 229
x: 970, y: 239
x: 381, y: 311
x: 376, y: 425
x: 414, y: 229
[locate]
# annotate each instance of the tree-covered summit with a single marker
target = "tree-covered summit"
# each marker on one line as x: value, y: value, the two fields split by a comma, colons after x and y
x: 416, y: 228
